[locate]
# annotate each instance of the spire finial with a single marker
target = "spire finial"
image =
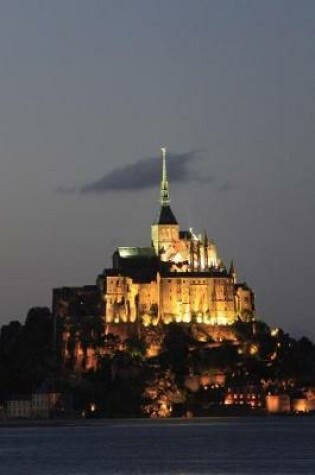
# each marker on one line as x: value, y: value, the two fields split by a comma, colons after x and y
x: 164, y: 193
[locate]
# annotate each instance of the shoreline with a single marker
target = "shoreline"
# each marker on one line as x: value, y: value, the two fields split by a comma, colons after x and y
x: 78, y: 422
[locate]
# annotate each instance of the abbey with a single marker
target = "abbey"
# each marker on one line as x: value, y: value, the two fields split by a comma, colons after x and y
x: 179, y: 278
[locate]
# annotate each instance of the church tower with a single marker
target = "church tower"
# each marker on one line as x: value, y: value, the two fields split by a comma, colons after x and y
x: 165, y: 231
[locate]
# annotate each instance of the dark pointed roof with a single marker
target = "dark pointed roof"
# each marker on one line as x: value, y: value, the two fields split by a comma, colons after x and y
x: 166, y: 216
x: 232, y: 269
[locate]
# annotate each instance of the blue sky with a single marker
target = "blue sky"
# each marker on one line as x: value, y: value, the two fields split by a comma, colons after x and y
x: 91, y: 89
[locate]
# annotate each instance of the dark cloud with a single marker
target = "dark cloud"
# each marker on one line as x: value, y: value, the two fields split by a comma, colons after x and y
x: 145, y: 173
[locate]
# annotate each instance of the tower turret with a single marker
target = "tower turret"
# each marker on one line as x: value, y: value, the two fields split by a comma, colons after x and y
x: 232, y: 272
x: 205, y: 250
x: 165, y: 230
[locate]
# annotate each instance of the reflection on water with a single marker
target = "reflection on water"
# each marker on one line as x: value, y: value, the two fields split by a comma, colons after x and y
x: 215, y: 446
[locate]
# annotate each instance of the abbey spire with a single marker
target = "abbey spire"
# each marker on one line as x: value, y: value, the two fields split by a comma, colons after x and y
x: 166, y: 215
x: 165, y: 230
x: 164, y: 191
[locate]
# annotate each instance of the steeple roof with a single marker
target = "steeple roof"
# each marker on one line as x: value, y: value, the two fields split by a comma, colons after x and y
x: 166, y: 215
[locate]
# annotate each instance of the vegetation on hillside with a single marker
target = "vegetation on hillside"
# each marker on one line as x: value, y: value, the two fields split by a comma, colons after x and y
x: 188, y: 372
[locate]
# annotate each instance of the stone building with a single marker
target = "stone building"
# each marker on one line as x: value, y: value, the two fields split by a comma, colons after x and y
x: 178, y: 278
x: 79, y: 325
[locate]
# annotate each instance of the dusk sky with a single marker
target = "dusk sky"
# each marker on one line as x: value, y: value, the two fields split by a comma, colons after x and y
x: 90, y: 91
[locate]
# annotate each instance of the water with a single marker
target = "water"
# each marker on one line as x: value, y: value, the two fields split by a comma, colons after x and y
x: 284, y: 445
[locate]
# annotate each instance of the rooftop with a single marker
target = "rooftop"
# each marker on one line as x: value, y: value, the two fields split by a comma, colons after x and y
x: 166, y: 216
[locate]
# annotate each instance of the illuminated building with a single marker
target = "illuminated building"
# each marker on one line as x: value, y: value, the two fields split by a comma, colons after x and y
x: 250, y: 396
x: 179, y: 278
x: 277, y: 403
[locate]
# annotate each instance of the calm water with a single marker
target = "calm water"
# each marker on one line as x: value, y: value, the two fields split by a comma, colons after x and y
x: 215, y: 446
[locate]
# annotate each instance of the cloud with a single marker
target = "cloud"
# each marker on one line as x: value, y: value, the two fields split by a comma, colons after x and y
x: 145, y: 173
